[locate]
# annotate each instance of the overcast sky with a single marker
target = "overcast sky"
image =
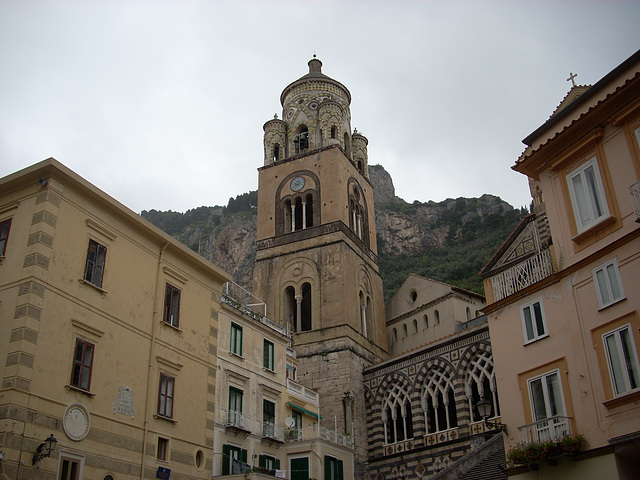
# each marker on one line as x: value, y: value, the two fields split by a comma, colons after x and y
x: 161, y: 103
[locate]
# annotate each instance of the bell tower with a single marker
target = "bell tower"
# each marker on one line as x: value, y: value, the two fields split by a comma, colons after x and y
x: 316, y: 261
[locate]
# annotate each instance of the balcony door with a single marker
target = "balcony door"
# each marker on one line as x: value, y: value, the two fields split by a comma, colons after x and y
x: 547, y: 406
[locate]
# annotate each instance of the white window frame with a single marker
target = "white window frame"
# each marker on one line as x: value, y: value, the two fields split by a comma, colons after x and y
x: 594, y: 194
x: 545, y: 392
x: 544, y: 431
x: 624, y: 367
x: 536, y: 335
x: 610, y: 275
x: 71, y: 457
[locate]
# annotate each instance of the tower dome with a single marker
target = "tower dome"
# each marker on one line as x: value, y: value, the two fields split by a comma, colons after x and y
x: 315, y: 113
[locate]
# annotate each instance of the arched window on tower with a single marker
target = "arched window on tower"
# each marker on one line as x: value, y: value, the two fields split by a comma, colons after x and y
x: 363, y: 313
x: 347, y: 144
x: 298, y: 212
x: 360, y: 165
x: 308, y: 211
x: 290, y: 309
x: 301, y: 139
x: 286, y: 217
x: 415, y: 326
x: 305, y: 323
x: 425, y: 321
x: 369, y: 313
x: 436, y: 317
x: 480, y: 384
x: 276, y: 152
x: 468, y: 314
x: 334, y: 132
x: 397, y: 417
x: 438, y: 401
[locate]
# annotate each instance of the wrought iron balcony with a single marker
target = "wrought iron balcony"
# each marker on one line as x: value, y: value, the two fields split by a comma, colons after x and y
x: 521, y: 275
x: 313, y: 432
x: 238, y: 420
x: 273, y: 432
x: 634, y: 191
x: 552, y: 428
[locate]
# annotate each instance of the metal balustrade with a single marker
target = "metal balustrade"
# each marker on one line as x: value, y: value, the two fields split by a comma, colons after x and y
x: 270, y: 430
x: 314, y: 432
x: 238, y: 420
x: 552, y: 428
x: 244, y: 301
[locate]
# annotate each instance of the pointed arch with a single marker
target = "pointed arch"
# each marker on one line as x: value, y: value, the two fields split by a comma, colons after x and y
x: 480, y: 382
x: 438, y: 400
x: 396, y: 409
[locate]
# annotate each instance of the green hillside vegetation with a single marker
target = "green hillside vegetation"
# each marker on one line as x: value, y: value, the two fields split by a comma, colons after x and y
x: 469, y: 245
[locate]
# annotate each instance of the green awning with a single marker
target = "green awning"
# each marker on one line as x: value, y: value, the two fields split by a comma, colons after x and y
x: 303, y: 410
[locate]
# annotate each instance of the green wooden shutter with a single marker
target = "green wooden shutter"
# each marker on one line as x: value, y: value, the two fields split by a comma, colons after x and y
x: 226, y: 460
x: 262, y: 461
x: 243, y: 456
x: 327, y: 468
x: 340, y: 471
x: 277, y: 464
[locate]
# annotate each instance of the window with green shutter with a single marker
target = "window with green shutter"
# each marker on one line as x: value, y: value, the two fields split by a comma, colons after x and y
x: 268, y: 355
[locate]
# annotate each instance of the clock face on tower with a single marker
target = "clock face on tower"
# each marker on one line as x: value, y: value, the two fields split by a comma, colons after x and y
x: 297, y: 184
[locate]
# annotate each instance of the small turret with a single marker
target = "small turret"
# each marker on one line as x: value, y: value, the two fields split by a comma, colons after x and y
x: 275, y: 140
x: 360, y: 156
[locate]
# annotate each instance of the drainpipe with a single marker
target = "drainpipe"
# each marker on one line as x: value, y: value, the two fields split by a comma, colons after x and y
x: 154, y: 323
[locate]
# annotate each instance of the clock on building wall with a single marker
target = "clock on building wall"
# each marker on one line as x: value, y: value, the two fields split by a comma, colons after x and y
x: 297, y: 184
x: 76, y: 421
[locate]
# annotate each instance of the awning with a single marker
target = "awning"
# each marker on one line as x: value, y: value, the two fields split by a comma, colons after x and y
x: 303, y: 410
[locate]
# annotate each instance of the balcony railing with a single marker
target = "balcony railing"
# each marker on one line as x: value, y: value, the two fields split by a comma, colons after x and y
x: 552, y: 428
x: 238, y: 420
x: 270, y: 430
x: 244, y: 301
x: 304, y: 393
x: 634, y: 191
x: 313, y: 432
x: 520, y: 276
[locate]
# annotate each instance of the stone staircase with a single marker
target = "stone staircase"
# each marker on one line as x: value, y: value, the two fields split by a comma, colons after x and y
x: 484, y: 462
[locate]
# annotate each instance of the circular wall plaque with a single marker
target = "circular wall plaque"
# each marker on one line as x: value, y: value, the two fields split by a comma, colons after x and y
x: 76, y: 421
x: 297, y: 184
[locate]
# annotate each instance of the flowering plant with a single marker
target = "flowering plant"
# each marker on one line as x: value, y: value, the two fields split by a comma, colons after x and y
x: 530, y: 453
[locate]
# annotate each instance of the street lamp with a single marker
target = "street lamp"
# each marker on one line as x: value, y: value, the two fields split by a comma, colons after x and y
x: 484, y: 407
x: 44, y: 449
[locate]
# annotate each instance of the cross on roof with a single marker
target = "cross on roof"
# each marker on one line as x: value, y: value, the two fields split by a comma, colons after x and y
x: 571, y: 78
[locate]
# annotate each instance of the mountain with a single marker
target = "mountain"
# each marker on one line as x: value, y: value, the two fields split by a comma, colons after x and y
x: 448, y: 241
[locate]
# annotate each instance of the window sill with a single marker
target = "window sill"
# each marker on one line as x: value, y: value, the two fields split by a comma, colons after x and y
x: 534, y: 340
x: 611, y: 304
x: 162, y: 417
x: 236, y: 355
x: 89, y: 284
x: 623, y: 399
x: 594, y: 230
x: 80, y: 390
x: 172, y: 327
x: 273, y: 372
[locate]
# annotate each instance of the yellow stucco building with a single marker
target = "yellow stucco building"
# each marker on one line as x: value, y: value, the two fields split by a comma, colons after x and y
x: 108, y: 337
